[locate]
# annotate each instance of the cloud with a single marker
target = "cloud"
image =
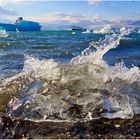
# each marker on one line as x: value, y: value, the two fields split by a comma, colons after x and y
x: 94, y: 2
x: 58, y: 17
x: 5, y: 2
x: 8, y: 14
x: 96, y: 18
x: 4, y: 11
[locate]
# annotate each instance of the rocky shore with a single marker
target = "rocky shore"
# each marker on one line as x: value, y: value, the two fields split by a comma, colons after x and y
x: 95, y: 129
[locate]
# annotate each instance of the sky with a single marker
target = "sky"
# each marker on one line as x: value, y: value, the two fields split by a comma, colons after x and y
x: 69, y: 12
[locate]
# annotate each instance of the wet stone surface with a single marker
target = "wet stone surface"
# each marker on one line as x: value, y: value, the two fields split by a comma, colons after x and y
x: 98, y: 128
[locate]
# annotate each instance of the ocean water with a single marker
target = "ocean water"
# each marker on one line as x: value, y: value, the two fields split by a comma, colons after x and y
x: 32, y: 63
x: 60, y: 46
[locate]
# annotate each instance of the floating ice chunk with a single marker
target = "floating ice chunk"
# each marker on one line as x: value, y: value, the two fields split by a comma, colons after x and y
x: 108, y: 29
x: 86, y: 32
x: 3, y: 33
x: 117, y: 107
x: 73, y: 33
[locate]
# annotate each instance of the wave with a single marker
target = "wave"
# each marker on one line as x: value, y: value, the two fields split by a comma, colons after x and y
x: 86, y: 88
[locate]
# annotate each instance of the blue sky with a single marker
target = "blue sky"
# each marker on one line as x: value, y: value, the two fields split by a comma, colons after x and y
x: 64, y: 12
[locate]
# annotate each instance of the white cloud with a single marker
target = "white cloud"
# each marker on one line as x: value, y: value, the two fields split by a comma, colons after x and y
x: 58, y: 17
x: 96, y: 18
x: 5, y: 2
x: 4, y: 11
x: 94, y: 2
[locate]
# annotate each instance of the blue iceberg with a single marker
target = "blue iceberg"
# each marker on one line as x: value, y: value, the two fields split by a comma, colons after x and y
x: 21, y: 25
x: 7, y: 27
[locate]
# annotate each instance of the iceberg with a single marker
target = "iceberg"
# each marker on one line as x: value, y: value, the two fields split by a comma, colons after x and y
x: 21, y: 25
x: 24, y: 25
x: 8, y: 27
x: 108, y: 29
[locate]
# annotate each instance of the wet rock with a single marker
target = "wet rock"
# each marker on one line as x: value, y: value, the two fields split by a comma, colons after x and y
x: 101, y: 128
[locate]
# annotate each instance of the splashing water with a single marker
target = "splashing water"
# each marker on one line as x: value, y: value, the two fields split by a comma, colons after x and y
x: 101, y: 48
x: 85, y: 88
x: 41, y: 69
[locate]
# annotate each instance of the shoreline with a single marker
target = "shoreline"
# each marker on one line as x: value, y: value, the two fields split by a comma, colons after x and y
x: 96, y: 129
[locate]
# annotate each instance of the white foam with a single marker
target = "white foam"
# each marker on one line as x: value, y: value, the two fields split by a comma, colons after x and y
x: 3, y: 33
x: 41, y: 68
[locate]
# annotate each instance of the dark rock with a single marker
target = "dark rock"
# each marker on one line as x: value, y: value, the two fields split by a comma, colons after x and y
x: 95, y: 129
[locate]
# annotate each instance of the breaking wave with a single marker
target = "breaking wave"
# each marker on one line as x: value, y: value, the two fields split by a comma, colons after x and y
x: 86, y: 88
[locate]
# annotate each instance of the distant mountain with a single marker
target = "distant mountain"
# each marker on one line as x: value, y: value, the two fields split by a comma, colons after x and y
x: 86, y: 24
x: 102, y: 22
x: 54, y: 27
x: 82, y: 23
x: 125, y: 22
x: 136, y: 23
x: 64, y: 26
